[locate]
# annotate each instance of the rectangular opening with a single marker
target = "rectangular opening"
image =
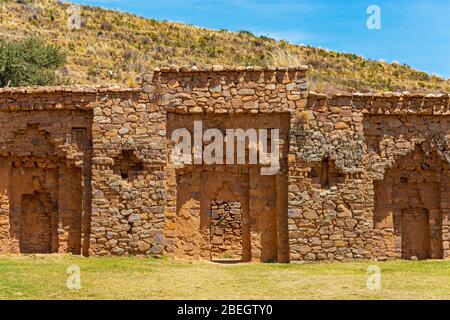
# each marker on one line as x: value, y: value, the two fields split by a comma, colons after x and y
x: 416, y: 240
x: 36, y: 223
x: 79, y: 136
x: 226, y: 231
x: 45, y: 206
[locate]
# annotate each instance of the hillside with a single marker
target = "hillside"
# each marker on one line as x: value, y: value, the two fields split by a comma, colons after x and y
x: 113, y: 47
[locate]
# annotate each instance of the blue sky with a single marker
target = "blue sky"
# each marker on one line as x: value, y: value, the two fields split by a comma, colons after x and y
x: 415, y: 32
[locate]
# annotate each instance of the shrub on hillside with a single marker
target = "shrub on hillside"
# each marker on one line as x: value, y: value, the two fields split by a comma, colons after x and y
x: 29, y: 62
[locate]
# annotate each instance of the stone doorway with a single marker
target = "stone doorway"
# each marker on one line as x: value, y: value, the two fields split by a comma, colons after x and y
x: 263, y: 198
x: 36, y: 223
x: 45, y: 206
x: 416, y: 240
x: 226, y: 231
x: 410, y: 206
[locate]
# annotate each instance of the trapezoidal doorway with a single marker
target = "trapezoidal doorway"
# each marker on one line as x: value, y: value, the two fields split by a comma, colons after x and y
x: 253, y: 221
x: 226, y: 231
x: 36, y: 224
x: 408, y: 217
x: 416, y: 240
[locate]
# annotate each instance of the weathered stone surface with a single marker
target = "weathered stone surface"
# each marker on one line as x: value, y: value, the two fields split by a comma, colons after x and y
x: 88, y: 171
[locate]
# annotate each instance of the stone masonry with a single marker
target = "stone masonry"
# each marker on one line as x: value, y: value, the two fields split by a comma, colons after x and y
x: 89, y: 170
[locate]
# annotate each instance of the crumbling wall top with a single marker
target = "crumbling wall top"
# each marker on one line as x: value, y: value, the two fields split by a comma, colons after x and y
x: 60, y: 97
x: 388, y: 103
x: 220, y: 68
x: 267, y: 81
x: 63, y: 89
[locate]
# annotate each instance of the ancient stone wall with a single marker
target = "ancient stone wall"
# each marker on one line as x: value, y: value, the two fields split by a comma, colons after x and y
x: 226, y: 231
x: 356, y: 139
x: 90, y: 170
x: 45, y: 140
x: 222, y: 99
x: 128, y: 190
x: 329, y: 205
x: 411, y: 174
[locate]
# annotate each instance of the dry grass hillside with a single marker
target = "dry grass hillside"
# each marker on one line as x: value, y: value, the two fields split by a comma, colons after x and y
x: 114, y: 47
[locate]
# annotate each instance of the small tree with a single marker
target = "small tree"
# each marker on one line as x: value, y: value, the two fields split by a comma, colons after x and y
x: 29, y: 62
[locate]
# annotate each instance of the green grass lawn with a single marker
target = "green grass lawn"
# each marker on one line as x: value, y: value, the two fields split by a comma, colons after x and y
x: 44, y: 277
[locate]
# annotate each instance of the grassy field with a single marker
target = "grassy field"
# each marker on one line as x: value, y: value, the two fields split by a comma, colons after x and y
x: 34, y: 277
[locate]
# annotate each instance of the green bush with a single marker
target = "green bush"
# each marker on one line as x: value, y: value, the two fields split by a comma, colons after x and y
x: 29, y: 62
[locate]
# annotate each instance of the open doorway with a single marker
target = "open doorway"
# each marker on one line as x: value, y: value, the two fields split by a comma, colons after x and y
x: 226, y: 231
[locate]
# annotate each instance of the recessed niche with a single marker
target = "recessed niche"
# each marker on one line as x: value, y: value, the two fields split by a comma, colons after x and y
x: 128, y: 166
x: 36, y: 223
x: 325, y: 174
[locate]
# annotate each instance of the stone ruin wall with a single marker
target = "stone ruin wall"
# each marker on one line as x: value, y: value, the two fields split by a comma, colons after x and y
x: 88, y: 171
x: 347, y: 211
x: 228, y: 99
x: 226, y: 230
x: 45, y: 155
x: 128, y: 176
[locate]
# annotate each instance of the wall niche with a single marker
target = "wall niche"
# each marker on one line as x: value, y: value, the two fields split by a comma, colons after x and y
x: 325, y: 174
x: 128, y: 166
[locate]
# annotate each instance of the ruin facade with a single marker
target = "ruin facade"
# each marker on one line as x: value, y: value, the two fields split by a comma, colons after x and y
x: 89, y: 170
